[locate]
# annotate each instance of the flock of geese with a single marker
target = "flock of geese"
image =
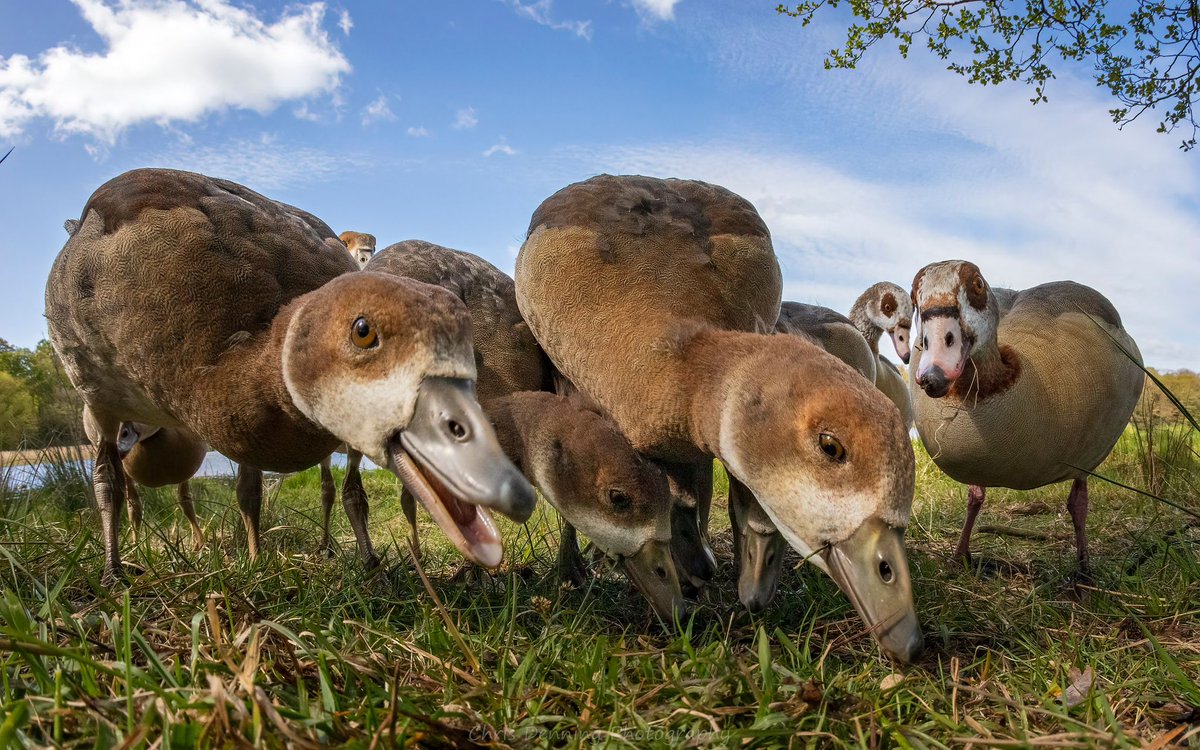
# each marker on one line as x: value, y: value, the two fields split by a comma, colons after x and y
x: 642, y: 337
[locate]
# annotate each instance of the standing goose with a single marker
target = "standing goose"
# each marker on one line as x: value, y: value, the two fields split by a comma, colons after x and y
x: 579, y: 460
x: 186, y: 301
x: 653, y: 297
x: 886, y: 308
x: 1019, y: 389
x: 757, y: 544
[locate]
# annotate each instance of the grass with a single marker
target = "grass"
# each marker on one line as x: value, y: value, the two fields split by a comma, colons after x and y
x: 295, y: 649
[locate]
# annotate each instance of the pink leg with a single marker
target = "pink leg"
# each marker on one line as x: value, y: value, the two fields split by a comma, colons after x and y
x: 975, y: 495
x: 1077, y: 506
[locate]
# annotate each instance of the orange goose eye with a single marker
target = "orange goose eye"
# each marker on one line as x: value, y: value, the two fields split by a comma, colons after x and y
x: 362, y: 334
x: 832, y: 447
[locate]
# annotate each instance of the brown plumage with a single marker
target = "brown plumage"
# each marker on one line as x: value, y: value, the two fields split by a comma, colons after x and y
x: 507, y: 356
x: 187, y: 301
x: 651, y: 296
x: 1019, y: 389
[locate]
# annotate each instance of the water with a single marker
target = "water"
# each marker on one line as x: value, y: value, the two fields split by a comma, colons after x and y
x: 32, y: 476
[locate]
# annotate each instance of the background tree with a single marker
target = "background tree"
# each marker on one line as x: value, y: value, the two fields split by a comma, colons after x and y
x: 1145, y: 52
x: 36, y: 385
x: 18, y: 412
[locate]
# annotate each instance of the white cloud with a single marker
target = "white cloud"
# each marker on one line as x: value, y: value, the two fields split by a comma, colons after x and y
x: 465, y: 119
x: 663, y: 10
x: 500, y: 148
x: 265, y: 164
x: 302, y: 112
x: 377, y: 111
x: 539, y: 12
x: 168, y: 61
x: 345, y: 23
x: 417, y: 131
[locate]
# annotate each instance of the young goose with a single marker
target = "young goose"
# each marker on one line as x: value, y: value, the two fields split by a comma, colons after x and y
x: 590, y: 473
x: 186, y: 301
x: 1019, y: 389
x: 577, y: 458
x: 886, y: 308
x: 757, y: 544
x: 653, y: 297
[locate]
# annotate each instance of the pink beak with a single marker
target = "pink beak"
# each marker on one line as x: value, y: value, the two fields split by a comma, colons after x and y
x: 943, y: 356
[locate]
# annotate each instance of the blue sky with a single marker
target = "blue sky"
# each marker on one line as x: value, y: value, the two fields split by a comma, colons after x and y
x: 450, y: 122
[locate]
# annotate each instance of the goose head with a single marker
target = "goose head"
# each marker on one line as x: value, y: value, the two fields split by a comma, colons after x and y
x: 617, y: 498
x: 360, y: 245
x: 888, y: 307
x: 759, y: 547
x: 828, y: 458
x: 955, y: 316
x: 386, y: 365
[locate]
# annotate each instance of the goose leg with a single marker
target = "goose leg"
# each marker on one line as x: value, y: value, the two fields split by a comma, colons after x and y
x: 134, y: 506
x: 328, y: 494
x: 184, y: 493
x: 975, y: 494
x: 571, y: 567
x: 354, y: 500
x: 108, y: 481
x: 1077, y: 506
x: 408, y: 504
x: 249, y: 495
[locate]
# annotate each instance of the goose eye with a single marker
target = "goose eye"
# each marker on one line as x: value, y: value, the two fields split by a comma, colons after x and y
x: 362, y: 334
x: 832, y: 447
x: 977, y: 285
x: 620, y: 501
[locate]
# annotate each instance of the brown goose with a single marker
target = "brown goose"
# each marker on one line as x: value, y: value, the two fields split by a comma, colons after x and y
x: 579, y: 460
x: 186, y: 301
x: 886, y: 308
x: 757, y: 545
x: 653, y: 296
x: 1019, y: 389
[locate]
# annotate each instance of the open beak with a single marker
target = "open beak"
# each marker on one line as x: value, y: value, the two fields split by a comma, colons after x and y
x: 760, y: 560
x: 653, y: 572
x: 872, y: 569
x: 693, y: 556
x: 449, y: 458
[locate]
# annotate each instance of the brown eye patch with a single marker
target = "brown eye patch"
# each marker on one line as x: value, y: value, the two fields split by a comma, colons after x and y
x: 363, y: 334
x: 887, y: 305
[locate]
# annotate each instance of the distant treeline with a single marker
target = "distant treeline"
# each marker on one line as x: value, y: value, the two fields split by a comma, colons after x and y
x: 40, y: 408
x: 38, y: 405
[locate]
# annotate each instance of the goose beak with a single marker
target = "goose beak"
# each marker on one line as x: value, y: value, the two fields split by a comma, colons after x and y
x: 449, y: 458
x: 900, y: 342
x: 943, y: 355
x: 653, y: 572
x: 760, y: 558
x: 694, y: 557
x: 872, y: 569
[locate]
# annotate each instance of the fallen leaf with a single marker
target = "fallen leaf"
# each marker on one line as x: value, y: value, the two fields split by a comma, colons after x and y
x: 891, y: 681
x: 1080, y: 687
